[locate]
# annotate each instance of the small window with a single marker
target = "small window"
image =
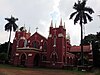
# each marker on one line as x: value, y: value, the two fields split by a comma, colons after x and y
x: 54, y: 57
x: 36, y: 44
x: 45, y: 46
x: 44, y: 58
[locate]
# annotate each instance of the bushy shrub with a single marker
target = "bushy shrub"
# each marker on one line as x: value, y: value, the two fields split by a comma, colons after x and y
x: 3, y: 57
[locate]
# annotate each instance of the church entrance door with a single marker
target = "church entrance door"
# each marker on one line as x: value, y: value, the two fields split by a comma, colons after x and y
x: 23, y: 59
x: 36, y: 60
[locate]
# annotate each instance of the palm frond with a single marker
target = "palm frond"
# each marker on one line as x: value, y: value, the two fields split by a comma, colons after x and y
x: 81, y: 10
x: 88, y: 9
x: 83, y: 3
x: 77, y: 18
x: 71, y: 16
x: 11, y: 24
x: 84, y: 18
x: 8, y: 27
x: 75, y: 6
x: 14, y: 27
x: 89, y: 17
x: 80, y: 5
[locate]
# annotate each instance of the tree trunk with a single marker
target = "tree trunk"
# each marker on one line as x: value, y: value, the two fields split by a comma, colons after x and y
x: 82, y: 53
x: 8, y: 45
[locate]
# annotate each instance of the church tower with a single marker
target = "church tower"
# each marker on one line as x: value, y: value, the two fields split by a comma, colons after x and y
x: 20, y: 41
x: 56, y: 45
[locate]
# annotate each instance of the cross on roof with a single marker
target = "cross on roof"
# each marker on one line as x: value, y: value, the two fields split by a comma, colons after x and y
x: 37, y: 29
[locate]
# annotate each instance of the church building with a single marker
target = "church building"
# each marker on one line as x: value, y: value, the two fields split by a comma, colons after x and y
x: 54, y: 52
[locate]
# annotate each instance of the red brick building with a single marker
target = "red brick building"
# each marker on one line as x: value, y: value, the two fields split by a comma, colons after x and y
x: 54, y: 51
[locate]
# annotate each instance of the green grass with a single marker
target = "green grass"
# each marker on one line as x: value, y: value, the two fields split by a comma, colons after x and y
x: 11, y: 67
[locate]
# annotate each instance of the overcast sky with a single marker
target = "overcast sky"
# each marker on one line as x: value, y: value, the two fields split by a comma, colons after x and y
x: 39, y: 13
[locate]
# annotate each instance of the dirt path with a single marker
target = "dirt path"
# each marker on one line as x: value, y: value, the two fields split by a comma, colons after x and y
x: 6, y: 71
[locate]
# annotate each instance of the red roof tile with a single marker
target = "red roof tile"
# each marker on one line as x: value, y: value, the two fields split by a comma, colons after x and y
x: 69, y: 54
x: 78, y: 48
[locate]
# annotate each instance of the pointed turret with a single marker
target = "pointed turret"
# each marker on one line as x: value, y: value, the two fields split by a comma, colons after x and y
x: 61, y: 22
x: 29, y: 30
x: 51, y: 23
x: 51, y: 27
x: 61, y: 26
x: 64, y: 25
x: 55, y: 25
x: 24, y: 28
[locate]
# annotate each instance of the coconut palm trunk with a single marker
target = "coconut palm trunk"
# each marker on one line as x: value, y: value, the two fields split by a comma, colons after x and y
x: 9, y: 45
x: 82, y: 53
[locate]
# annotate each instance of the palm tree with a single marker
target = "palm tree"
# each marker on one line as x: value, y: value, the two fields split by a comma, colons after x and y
x: 8, y: 27
x: 82, y: 14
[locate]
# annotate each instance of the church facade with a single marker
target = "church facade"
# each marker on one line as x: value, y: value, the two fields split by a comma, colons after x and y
x: 55, y: 51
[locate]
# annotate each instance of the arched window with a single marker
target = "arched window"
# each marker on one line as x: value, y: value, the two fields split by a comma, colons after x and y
x: 35, y: 44
x: 44, y: 58
x: 45, y: 46
x: 64, y: 59
x: 23, y: 59
x: 25, y: 43
x: 67, y: 60
x: 54, y: 57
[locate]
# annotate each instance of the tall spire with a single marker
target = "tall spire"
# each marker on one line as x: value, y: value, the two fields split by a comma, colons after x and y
x: 61, y: 22
x: 29, y: 30
x: 64, y: 24
x: 55, y: 25
x: 51, y: 23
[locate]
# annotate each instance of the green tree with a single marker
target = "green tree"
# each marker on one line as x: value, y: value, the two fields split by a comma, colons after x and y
x: 3, y: 47
x: 8, y: 27
x: 3, y: 57
x: 82, y: 14
x: 89, y: 38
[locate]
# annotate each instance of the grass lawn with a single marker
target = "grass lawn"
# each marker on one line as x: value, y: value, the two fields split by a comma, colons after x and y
x: 11, y: 70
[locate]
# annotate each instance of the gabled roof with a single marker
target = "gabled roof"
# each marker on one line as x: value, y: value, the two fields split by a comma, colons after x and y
x: 36, y: 33
x: 78, y: 48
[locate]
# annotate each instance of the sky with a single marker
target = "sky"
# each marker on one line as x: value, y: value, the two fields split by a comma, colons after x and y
x: 39, y: 13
